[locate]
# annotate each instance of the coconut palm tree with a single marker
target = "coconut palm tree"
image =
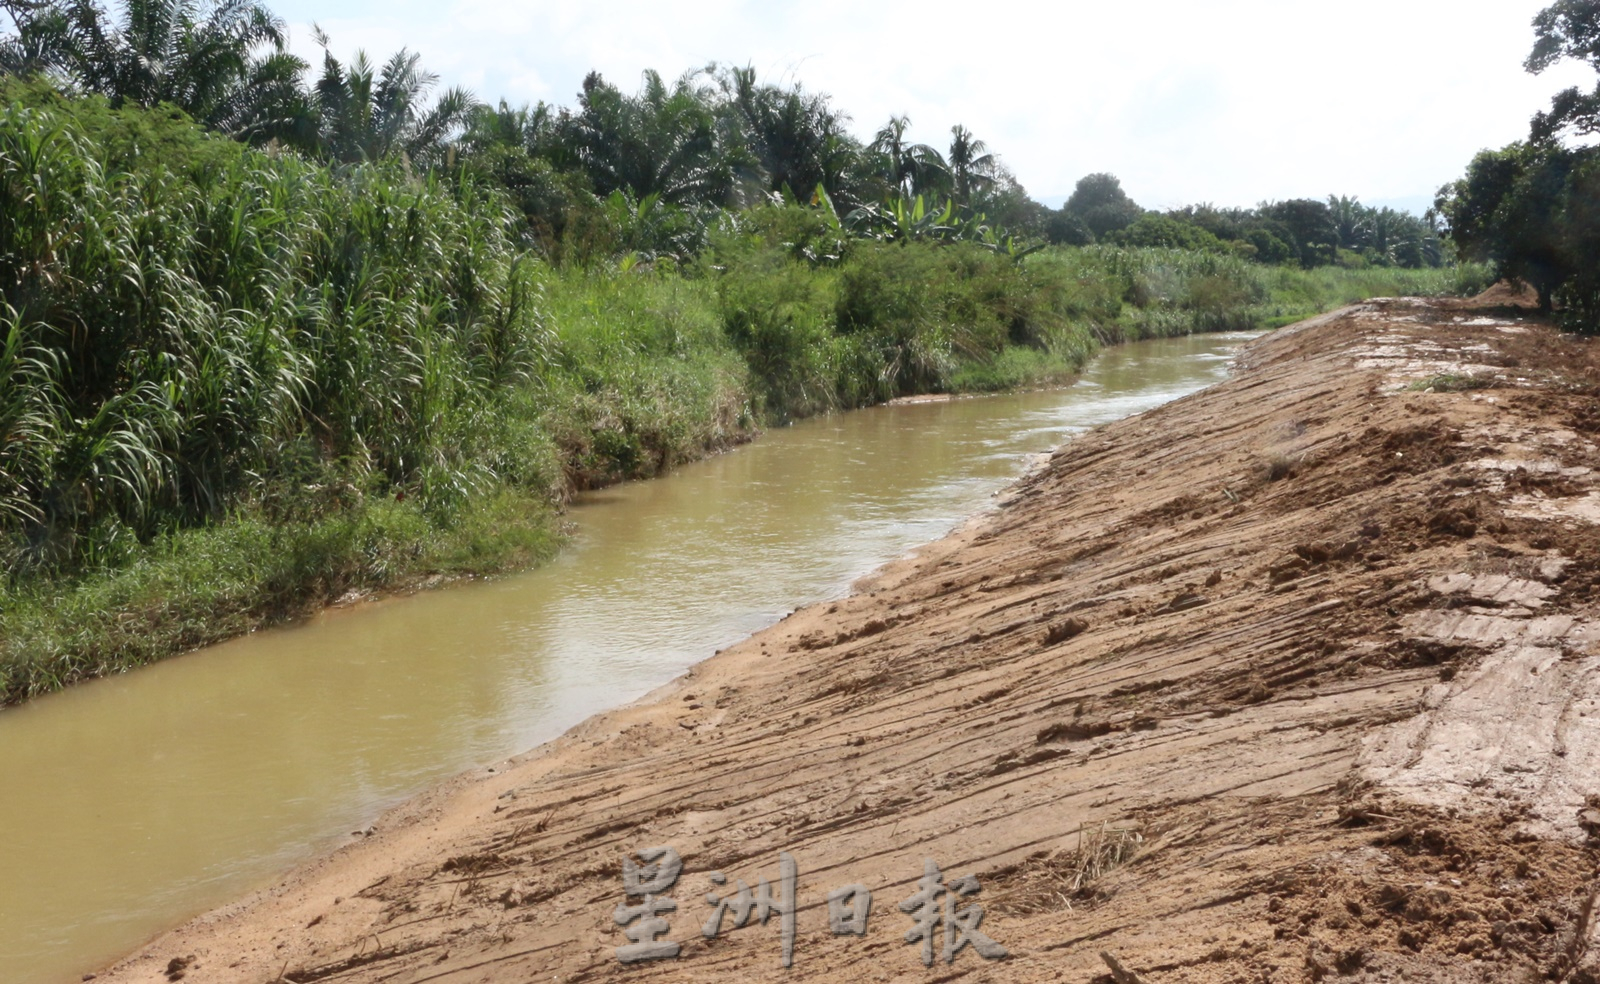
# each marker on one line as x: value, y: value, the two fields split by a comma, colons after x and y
x: 911, y: 169
x: 972, y: 167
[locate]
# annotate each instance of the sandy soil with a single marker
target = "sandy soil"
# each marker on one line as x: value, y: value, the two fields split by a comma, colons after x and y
x: 1295, y: 679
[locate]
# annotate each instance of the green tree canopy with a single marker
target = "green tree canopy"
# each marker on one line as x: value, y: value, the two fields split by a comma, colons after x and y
x: 662, y: 141
x: 1509, y: 209
x: 1153, y: 229
x: 972, y: 167
x: 789, y: 138
x: 221, y: 61
x: 1533, y: 209
x: 1311, y: 228
x: 364, y: 113
x: 908, y: 169
x: 1102, y: 204
x: 1567, y: 29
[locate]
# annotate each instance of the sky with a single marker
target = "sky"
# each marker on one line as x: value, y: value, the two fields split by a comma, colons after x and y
x: 1231, y: 102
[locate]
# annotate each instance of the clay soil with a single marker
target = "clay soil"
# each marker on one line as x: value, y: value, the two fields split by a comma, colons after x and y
x: 1295, y: 679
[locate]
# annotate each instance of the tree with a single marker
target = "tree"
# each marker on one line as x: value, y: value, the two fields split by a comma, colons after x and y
x: 365, y: 114
x: 1153, y: 230
x: 1580, y: 239
x: 662, y: 142
x: 1351, y: 222
x: 972, y: 167
x: 221, y: 61
x: 532, y: 128
x: 1310, y: 228
x: 1567, y: 29
x: 39, y: 43
x: 1533, y: 209
x: 910, y: 169
x: 1009, y: 207
x: 1270, y: 249
x: 1509, y: 210
x: 1225, y: 224
x: 1064, y: 228
x: 786, y: 139
x: 1102, y: 204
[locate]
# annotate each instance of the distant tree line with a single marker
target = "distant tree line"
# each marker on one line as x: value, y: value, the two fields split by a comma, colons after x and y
x: 645, y: 173
x: 1302, y: 231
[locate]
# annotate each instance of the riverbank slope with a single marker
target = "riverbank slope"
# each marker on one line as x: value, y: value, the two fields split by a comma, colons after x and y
x: 1291, y: 679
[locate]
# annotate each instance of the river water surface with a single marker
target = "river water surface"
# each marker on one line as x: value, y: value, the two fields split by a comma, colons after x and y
x: 132, y: 803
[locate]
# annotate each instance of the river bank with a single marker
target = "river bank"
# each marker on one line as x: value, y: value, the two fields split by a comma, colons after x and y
x: 1235, y: 689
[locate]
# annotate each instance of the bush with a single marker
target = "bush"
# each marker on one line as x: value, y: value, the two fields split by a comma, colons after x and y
x: 1158, y: 231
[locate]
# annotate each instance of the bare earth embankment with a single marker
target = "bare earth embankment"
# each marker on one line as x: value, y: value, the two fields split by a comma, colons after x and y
x: 1294, y: 679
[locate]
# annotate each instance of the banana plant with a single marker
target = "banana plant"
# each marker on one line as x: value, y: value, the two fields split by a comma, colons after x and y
x: 900, y: 221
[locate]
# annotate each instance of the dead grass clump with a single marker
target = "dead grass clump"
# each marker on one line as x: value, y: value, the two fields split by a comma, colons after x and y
x: 1054, y: 880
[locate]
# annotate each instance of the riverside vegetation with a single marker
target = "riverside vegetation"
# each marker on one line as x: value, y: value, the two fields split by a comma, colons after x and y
x: 238, y: 382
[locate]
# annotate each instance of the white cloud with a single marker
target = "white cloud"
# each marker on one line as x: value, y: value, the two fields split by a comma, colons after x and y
x: 1231, y: 101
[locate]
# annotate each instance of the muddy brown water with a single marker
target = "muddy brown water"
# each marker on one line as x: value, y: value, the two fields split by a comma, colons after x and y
x: 130, y: 804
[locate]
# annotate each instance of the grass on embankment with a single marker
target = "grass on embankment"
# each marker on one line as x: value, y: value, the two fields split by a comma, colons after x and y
x: 305, y: 381
x: 199, y: 586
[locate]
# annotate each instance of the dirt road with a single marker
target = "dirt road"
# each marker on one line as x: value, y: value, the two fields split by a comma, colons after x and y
x: 1295, y: 679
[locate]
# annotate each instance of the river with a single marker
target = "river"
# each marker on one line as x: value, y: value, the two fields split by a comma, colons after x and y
x: 132, y: 803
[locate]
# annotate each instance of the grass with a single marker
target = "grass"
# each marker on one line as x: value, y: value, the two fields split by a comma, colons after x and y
x: 641, y: 376
x: 1055, y: 881
x: 1296, y: 294
x: 1016, y: 367
x: 199, y: 586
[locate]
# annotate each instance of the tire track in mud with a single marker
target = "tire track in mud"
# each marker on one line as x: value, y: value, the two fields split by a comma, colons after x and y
x: 1139, y: 701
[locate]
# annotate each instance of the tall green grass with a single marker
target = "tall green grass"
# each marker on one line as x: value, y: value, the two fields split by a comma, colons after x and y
x: 1295, y: 294
x: 205, y: 584
x: 641, y: 377
x: 1125, y: 294
x: 877, y: 320
x: 177, y: 341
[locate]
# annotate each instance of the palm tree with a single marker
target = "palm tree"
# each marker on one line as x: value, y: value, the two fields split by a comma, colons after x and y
x: 789, y: 138
x: 972, y: 167
x: 366, y: 114
x: 532, y: 128
x: 1385, y: 229
x: 38, y: 43
x: 910, y: 169
x: 1351, y: 221
x: 221, y: 61
x: 661, y: 142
